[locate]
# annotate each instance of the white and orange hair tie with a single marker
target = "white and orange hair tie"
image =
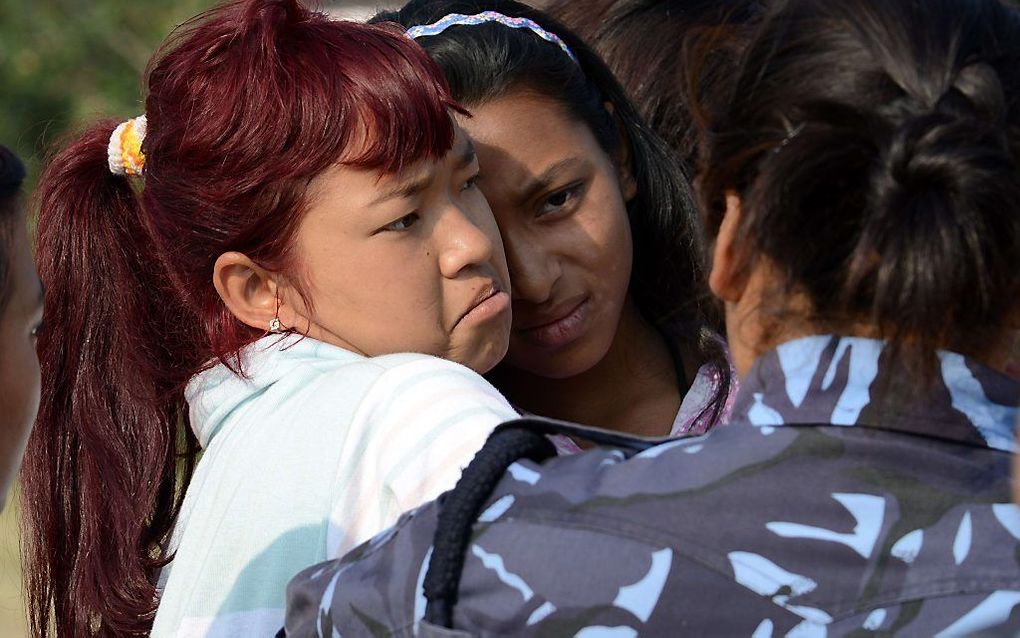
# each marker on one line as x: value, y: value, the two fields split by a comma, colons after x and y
x: 125, y: 150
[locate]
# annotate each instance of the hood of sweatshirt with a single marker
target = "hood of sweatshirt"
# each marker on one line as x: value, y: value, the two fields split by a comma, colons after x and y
x: 215, y: 394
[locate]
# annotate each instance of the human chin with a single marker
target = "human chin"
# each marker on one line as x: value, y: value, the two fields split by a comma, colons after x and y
x: 483, y: 345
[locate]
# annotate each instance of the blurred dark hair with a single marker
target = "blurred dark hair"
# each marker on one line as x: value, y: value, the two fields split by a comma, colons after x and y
x: 12, y: 176
x: 487, y: 61
x: 875, y: 146
x: 246, y: 105
x: 640, y: 40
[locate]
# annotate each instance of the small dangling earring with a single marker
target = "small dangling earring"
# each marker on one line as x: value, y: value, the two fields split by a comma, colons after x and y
x: 275, y: 327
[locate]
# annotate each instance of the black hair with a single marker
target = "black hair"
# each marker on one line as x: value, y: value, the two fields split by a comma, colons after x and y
x: 875, y: 146
x: 12, y: 176
x: 484, y: 62
x: 640, y: 39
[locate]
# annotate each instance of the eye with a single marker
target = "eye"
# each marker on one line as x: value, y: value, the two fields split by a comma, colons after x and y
x: 472, y: 182
x: 33, y: 334
x: 561, y: 200
x: 402, y: 224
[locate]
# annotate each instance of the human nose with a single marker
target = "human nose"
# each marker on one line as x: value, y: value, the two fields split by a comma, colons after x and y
x: 533, y: 270
x: 467, y: 243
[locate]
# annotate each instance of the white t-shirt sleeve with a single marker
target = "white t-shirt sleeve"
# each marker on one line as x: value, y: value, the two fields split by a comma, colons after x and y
x: 419, y: 426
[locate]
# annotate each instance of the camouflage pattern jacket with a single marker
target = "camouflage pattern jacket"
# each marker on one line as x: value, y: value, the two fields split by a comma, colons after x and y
x: 838, y: 502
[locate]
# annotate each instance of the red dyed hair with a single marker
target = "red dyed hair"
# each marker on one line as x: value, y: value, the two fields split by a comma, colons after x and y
x: 246, y: 104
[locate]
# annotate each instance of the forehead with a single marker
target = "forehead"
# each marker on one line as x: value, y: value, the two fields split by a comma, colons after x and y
x: 526, y: 130
x: 343, y: 186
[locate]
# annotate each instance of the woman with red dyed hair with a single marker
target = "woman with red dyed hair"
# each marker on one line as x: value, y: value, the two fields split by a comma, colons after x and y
x: 612, y: 324
x: 231, y: 275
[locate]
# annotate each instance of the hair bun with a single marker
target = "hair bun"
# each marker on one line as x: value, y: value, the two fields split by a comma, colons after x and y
x: 934, y: 245
x: 943, y: 151
x: 960, y: 147
x: 956, y: 146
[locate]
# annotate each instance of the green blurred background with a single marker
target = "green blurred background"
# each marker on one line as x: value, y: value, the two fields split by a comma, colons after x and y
x: 63, y: 63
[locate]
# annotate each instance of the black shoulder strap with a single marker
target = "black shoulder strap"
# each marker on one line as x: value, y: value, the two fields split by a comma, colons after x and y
x: 460, y: 507
x: 598, y: 436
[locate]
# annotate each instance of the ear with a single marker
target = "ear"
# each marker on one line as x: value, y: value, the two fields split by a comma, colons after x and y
x: 624, y: 158
x: 727, y: 280
x: 248, y: 290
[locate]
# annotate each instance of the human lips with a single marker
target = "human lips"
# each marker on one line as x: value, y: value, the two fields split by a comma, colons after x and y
x: 558, y: 327
x: 490, y: 302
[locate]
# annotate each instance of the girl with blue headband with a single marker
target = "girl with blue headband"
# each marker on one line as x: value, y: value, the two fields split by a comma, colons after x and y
x: 610, y: 321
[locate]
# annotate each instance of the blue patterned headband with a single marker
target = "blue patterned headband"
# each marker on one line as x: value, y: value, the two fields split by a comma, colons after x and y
x: 453, y: 19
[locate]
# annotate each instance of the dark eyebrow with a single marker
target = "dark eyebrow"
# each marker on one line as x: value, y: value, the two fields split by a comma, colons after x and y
x: 411, y: 188
x: 406, y: 189
x: 42, y: 294
x: 467, y: 155
x: 546, y: 179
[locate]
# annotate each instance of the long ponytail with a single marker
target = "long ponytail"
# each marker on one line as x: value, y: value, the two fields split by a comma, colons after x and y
x: 100, y: 474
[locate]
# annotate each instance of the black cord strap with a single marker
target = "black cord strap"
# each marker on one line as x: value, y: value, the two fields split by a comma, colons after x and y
x: 460, y: 508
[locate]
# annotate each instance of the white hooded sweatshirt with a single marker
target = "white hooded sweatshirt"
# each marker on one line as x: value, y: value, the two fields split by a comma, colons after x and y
x: 316, y: 451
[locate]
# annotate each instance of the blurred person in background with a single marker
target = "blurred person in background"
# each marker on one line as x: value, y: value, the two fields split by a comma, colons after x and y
x: 21, y: 301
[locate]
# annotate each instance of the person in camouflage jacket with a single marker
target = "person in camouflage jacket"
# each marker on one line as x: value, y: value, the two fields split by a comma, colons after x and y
x: 813, y: 511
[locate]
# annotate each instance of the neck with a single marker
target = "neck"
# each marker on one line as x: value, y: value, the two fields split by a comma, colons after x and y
x: 633, y: 389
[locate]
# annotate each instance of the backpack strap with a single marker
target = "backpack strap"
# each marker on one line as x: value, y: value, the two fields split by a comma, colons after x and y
x: 609, y: 438
x: 459, y: 508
